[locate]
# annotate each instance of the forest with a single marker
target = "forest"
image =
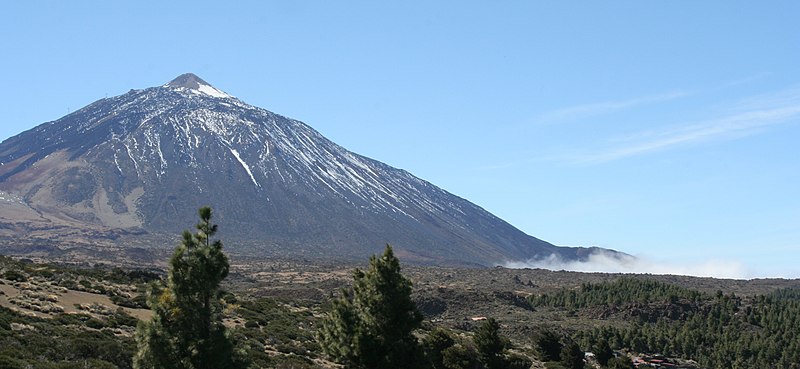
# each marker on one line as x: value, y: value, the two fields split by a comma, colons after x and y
x: 717, y: 330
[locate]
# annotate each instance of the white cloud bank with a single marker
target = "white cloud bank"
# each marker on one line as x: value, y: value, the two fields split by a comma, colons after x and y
x: 606, y: 262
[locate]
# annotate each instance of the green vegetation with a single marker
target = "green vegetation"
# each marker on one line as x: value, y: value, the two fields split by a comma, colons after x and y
x: 373, y: 327
x: 622, y: 291
x: 572, y: 356
x: 488, y: 349
x: 76, y: 340
x: 65, y: 341
x: 627, y: 315
x: 460, y: 356
x: 548, y: 346
x: 272, y: 326
x: 603, y: 352
x: 491, y: 347
x: 435, y: 343
x: 718, y: 331
x: 620, y: 363
x: 186, y: 330
x: 96, y: 280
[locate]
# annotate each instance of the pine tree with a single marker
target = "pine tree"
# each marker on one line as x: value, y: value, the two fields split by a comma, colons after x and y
x: 572, y: 356
x: 548, y: 345
x: 491, y: 347
x: 603, y: 352
x: 517, y: 361
x: 435, y: 343
x: 372, y: 328
x: 460, y: 357
x: 620, y: 363
x: 186, y: 331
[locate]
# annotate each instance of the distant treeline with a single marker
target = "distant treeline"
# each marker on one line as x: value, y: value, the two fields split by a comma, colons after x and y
x: 621, y: 291
x: 716, y: 330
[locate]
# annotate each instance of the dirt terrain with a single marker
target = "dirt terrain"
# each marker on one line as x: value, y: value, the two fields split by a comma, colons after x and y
x: 43, y: 299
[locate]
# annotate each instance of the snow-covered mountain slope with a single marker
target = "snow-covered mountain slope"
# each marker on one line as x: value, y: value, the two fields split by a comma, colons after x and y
x: 146, y: 160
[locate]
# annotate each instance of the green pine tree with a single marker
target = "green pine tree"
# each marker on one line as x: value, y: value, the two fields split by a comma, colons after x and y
x: 460, y: 357
x: 491, y: 347
x: 620, y: 363
x: 517, y: 361
x: 435, y: 343
x: 186, y: 331
x: 572, y: 356
x: 603, y: 352
x: 373, y: 327
x: 548, y: 345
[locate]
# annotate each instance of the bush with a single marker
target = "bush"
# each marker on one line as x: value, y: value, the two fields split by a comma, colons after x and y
x: 11, y: 363
x: 121, y: 318
x: 459, y: 357
x: 620, y: 363
x: 45, y: 273
x: 434, y: 344
x: 516, y: 361
x: 64, y: 319
x: 95, y: 323
x: 15, y: 275
x: 138, y: 302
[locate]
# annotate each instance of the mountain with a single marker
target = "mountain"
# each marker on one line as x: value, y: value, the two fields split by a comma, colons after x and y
x: 137, y: 166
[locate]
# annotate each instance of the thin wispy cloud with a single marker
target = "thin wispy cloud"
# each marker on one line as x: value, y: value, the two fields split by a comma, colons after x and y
x: 584, y: 111
x: 579, y: 112
x: 746, y: 118
x: 498, y: 166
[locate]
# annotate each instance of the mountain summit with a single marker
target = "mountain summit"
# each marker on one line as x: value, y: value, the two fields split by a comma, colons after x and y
x: 138, y: 165
x: 192, y: 82
x: 187, y: 80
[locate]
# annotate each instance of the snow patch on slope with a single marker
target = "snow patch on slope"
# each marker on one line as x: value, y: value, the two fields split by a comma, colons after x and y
x: 211, y: 91
x: 245, y: 166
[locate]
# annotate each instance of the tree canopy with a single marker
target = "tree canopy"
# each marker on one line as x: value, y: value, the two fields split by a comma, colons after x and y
x: 491, y: 347
x: 372, y: 327
x: 186, y: 330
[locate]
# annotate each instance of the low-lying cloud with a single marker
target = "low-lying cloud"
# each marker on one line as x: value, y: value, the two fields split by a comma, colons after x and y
x: 607, y: 262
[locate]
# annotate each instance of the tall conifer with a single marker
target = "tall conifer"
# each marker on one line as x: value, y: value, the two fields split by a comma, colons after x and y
x: 491, y: 346
x: 186, y: 330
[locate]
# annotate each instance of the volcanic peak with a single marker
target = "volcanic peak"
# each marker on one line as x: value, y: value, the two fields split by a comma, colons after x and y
x: 195, y: 84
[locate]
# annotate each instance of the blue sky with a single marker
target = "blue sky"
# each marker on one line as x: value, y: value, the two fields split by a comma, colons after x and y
x: 668, y: 130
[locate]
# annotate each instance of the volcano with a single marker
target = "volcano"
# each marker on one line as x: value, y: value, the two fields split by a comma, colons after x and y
x: 134, y: 168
